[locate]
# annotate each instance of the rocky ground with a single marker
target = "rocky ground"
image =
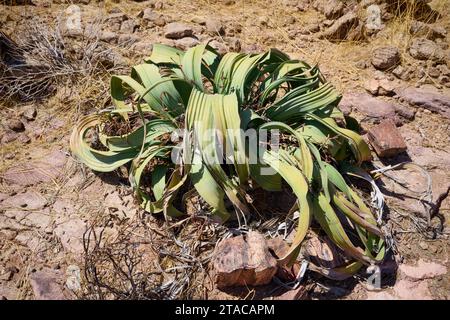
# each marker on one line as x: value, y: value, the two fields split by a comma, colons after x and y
x: 392, y: 67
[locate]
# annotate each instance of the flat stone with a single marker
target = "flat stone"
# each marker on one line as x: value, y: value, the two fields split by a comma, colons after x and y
x: 148, y: 14
x: 9, y: 136
x: 410, y: 290
x: 71, y: 234
x: 28, y: 238
x: 240, y: 262
x: 405, y: 112
x: 219, y: 46
x: 186, y: 43
x: 8, y: 291
x: 30, y: 200
x: 112, y: 58
x: 116, y: 17
x: 386, y: 139
x: 177, y: 30
x: 153, y: 18
x: 38, y: 171
x: 126, y: 40
x: 402, y: 73
x: 381, y: 87
x: 382, y: 295
x: 423, y: 270
x: 431, y: 32
x: 7, y: 223
x: 372, y: 86
x: 426, y: 98
x: 374, y: 110
x: 24, y: 138
x: 45, y: 285
x: 39, y: 219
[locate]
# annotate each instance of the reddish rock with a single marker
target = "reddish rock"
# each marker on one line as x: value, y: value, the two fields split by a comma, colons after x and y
x: 177, y: 30
x: 385, y: 57
x: 8, y: 291
x: 186, y: 43
x: 374, y: 110
x: 29, y: 113
x: 386, y: 139
x: 323, y: 253
x: 29, y: 173
x: 332, y: 9
x: 410, y: 290
x: 45, y: 285
x: 214, y: 27
x: 341, y: 27
x: 423, y: 270
x: 381, y: 87
x: 240, y: 262
x: 3, y: 196
x: 279, y: 248
x: 16, y: 125
x: 424, y: 49
x: 9, y: 136
x: 70, y: 233
x: 382, y: 295
x: 30, y: 200
x: 427, y: 99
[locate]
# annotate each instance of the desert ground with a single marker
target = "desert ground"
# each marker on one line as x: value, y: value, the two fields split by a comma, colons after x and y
x: 67, y: 232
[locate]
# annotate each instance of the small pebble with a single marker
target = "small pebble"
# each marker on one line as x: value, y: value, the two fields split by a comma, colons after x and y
x: 423, y: 245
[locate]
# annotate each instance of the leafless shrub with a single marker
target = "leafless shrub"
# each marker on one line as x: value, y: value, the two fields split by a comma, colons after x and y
x: 146, y: 262
x: 32, y: 67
